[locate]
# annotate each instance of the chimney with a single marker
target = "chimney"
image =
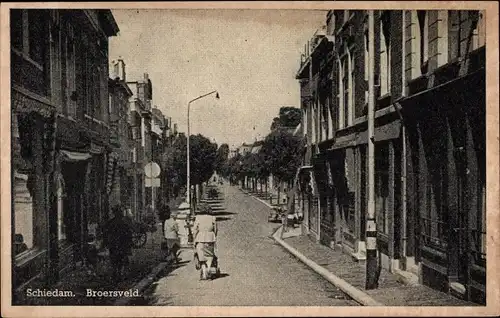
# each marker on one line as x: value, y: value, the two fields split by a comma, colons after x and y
x: 121, y: 70
x: 175, y: 128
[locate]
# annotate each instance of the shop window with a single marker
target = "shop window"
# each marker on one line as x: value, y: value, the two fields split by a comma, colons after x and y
x: 479, y: 234
x: 23, y: 213
x: 434, y: 217
x: 382, y: 187
x: 483, y: 222
x: 61, y: 215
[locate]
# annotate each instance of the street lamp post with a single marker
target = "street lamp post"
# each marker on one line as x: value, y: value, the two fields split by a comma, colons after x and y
x: 188, y: 134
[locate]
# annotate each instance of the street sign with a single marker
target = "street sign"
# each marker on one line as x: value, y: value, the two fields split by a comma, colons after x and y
x: 155, y: 181
x: 152, y: 170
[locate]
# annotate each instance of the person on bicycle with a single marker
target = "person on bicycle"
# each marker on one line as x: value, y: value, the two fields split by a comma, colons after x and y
x: 171, y: 234
x: 117, y: 235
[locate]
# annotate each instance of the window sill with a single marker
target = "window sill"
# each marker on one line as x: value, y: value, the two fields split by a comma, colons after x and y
x: 25, y: 257
x: 28, y: 93
x: 95, y: 120
x: 26, y: 57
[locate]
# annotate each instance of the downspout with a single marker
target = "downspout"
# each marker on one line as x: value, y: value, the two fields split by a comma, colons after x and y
x: 404, y: 238
x: 404, y: 233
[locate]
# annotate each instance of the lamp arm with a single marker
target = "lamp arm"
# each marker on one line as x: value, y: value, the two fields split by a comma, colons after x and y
x: 202, y: 96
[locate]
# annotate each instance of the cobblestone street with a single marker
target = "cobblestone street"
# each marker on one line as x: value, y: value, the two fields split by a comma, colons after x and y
x: 255, y: 270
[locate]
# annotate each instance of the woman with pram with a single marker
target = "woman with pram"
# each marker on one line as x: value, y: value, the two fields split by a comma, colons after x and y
x: 205, y: 237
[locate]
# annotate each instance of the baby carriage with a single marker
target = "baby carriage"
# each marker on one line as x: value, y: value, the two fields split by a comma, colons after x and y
x: 207, y: 273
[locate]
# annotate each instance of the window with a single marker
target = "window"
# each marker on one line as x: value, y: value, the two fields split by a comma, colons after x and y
x: 352, y: 81
x: 442, y: 38
x: 382, y: 186
x: 340, y: 99
x: 94, y: 80
x: 346, y: 15
x: 385, y: 55
x: 61, y: 217
x: 30, y: 49
x: 479, y: 32
x: 345, y: 86
x: 367, y: 67
x: 423, y: 54
x: 330, y: 119
x: 23, y: 213
x: 69, y: 70
x: 330, y: 23
x: 16, y: 29
x: 483, y: 222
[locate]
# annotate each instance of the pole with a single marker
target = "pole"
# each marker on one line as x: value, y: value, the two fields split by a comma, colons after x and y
x: 187, y: 146
x: 188, y: 163
x: 152, y: 188
x: 371, y: 226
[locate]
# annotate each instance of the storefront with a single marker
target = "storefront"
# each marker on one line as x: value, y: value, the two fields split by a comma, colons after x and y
x: 449, y: 169
x: 29, y: 197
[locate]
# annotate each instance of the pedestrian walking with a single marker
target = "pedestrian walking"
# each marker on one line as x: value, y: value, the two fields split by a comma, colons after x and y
x: 205, y: 237
x: 118, y: 239
x: 171, y: 243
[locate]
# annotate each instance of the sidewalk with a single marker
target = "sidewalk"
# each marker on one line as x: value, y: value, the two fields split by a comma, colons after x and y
x: 342, y: 271
x: 339, y: 268
x: 143, y: 262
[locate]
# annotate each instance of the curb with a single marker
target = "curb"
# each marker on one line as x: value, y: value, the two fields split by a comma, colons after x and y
x: 262, y: 201
x: 353, y: 292
x: 143, y: 284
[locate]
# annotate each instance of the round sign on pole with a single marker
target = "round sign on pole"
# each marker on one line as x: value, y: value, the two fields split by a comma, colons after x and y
x: 152, y: 170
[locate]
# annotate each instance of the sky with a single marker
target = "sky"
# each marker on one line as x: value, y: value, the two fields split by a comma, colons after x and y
x: 250, y: 57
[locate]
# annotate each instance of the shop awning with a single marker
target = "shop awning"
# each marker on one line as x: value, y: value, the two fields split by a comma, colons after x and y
x: 388, y: 131
x: 75, y: 156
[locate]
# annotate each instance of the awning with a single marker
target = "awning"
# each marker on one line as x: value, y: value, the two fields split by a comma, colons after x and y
x: 388, y: 131
x: 75, y: 156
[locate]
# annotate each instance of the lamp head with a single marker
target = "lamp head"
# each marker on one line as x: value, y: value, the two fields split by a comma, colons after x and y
x: 217, y: 95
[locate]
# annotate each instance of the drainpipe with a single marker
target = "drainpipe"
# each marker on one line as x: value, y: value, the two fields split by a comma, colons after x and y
x: 371, y: 226
x: 403, y: 155
x: 404, y: 238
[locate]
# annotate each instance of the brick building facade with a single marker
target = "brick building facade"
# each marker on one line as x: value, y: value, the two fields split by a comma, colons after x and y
x: 60, y: 130
x: 429, y: 187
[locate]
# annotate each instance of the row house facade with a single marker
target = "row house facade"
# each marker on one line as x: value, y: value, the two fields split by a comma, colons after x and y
x: 159, y: 141
x: 60, y: 137
x: 140, y: 119
x: 429, y: 142
x: 121, y: 182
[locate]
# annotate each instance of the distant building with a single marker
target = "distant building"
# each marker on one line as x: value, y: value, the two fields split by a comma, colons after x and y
x: 141, y: 126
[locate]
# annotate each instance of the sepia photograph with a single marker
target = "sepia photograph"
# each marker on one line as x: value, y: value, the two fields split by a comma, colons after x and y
x: 222, y: 156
